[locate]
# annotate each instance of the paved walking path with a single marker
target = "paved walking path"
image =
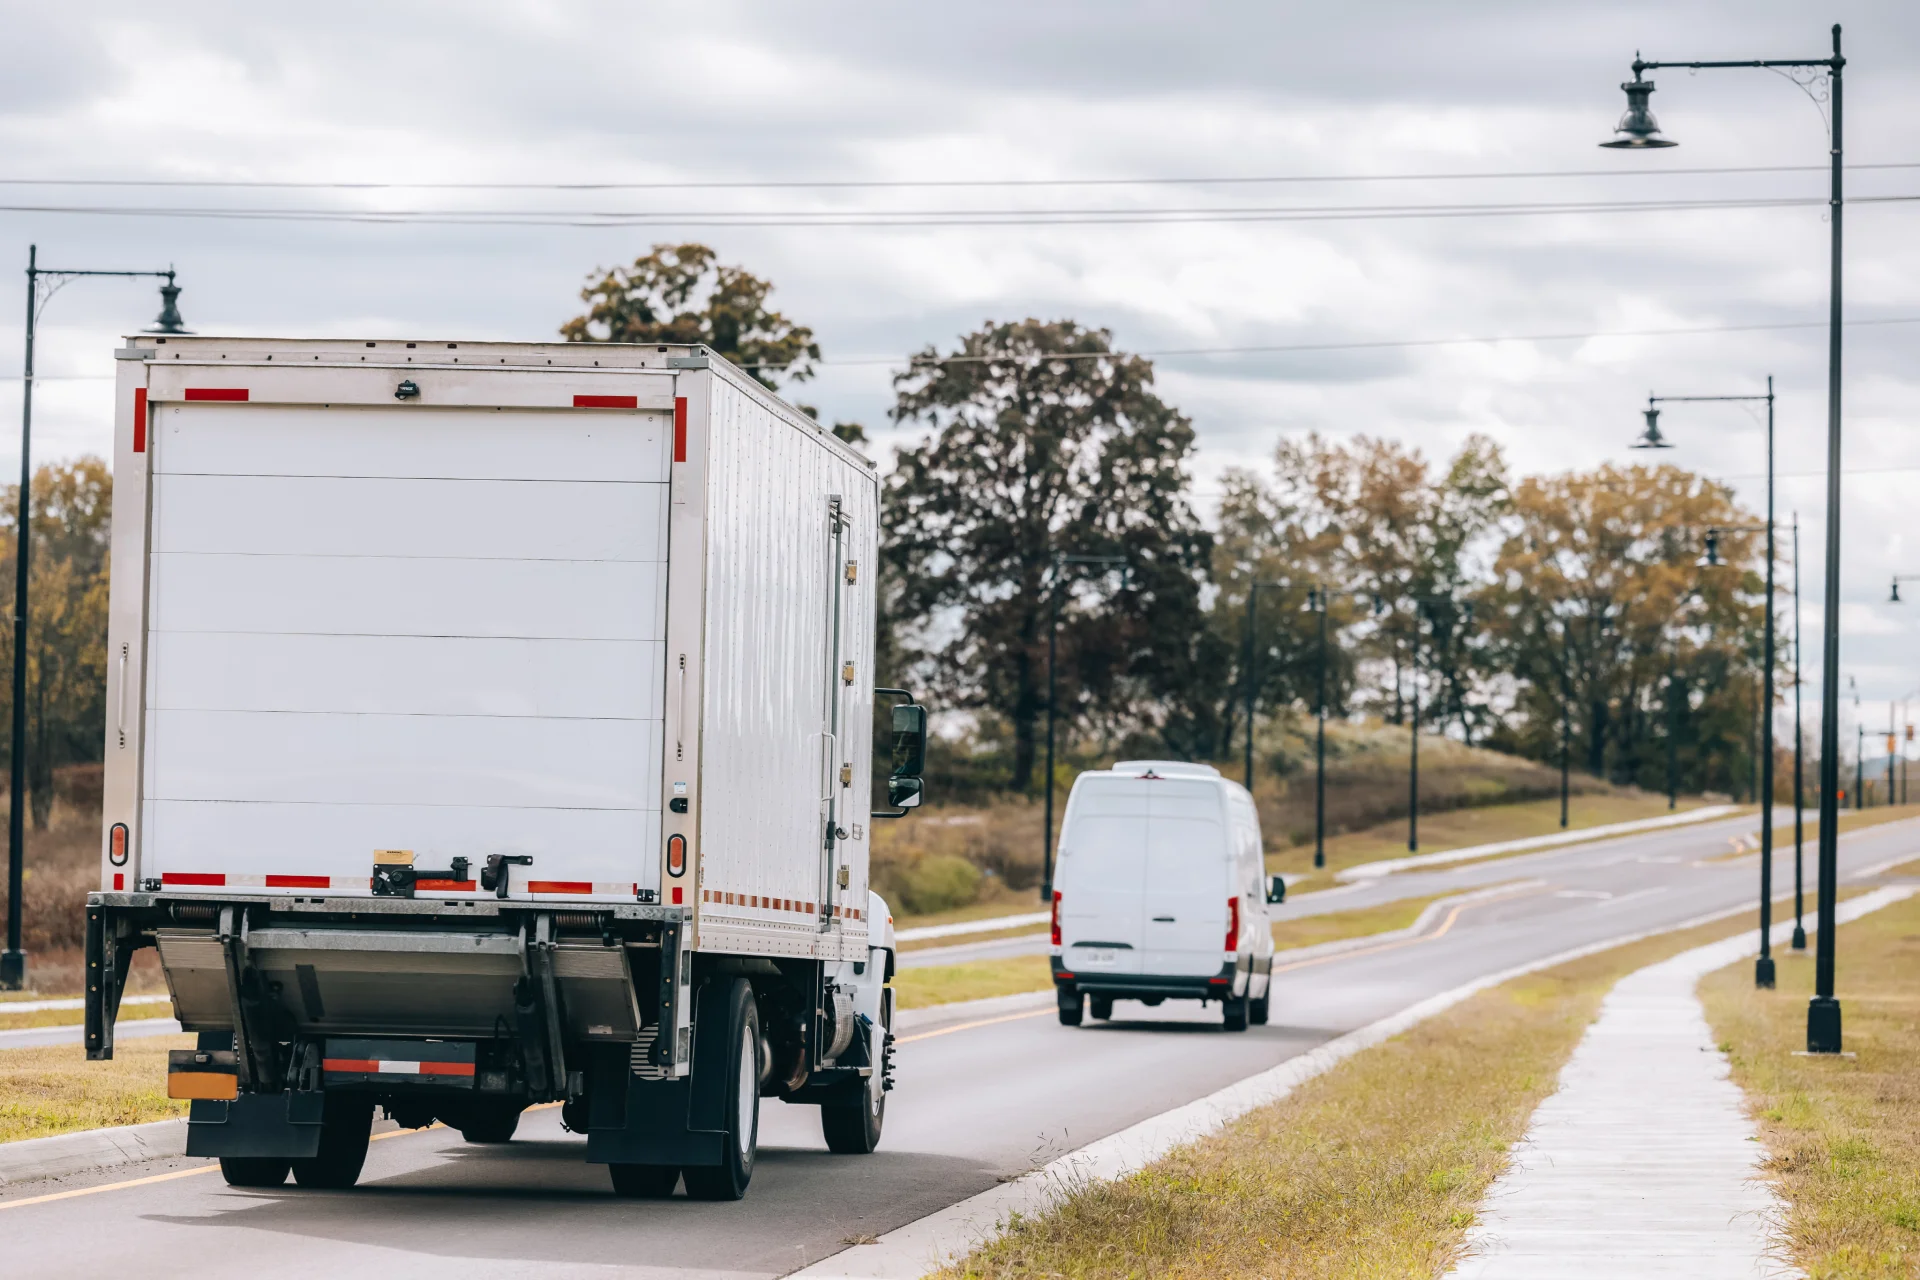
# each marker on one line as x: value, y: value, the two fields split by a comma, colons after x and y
x: 1643, y: 1163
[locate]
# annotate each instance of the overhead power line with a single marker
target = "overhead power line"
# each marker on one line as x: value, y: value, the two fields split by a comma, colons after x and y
x: 882, y: 184
x: 932, y: 217
x: 1288, y: 348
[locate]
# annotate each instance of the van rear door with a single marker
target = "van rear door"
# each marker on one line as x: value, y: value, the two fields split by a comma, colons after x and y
x: 1103, y: 861
x: 1186, y: 879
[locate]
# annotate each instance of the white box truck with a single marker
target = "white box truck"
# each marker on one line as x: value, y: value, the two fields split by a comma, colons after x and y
x: 490, y: 724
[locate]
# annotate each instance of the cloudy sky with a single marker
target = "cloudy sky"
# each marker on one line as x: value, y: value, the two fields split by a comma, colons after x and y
x: 1345, y: 100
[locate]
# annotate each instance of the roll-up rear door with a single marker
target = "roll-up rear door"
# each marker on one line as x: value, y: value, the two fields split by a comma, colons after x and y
x: 438, y: 630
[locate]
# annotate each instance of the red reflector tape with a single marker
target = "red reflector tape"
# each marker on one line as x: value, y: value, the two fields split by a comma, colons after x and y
x: 139, y: 419
x: 216, y: 393
x: 606, y: 402
x: 299, y: 882
x: 443, y: 886
x: 386, y: 1067
x: 679, y: 428
x: 192, y: 877
x: 559, y: 886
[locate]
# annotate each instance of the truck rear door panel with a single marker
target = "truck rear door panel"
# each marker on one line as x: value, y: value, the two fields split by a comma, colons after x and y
x: 439, y: 630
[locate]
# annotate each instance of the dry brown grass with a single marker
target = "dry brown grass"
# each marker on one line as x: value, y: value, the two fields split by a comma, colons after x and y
x: 56, y: 1090
x: 1844, y: 1146
x: 1375, y: 1169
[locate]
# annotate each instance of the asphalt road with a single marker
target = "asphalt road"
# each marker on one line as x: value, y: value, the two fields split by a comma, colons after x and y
x: 980, y: 1098
x: 1707, y: 839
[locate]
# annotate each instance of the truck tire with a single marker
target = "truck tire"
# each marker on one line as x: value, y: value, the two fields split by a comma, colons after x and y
x: 1072, y: 1007
x: 852, y: 1127
x: 1233, y: 1011
x: 253, y: 1171
x: 1101, y: 1007
x: 1257, y: 1010
x: 741, y: 1137
x: 643, y: 1181
x: 489, y: 1121
x: 344, y: 1130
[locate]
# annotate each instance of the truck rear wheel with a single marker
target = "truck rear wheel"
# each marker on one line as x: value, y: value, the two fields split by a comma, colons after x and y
x: 643, y: 1181
x: 344, y: 1130
x: 489, y: 1121
x: 253, y: 1171
x: 728, y: 1180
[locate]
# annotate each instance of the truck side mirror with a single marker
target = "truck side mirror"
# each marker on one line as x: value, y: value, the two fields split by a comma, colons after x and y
x: 1276, y: 890
x: 904, y: 793
x: 909, y: 742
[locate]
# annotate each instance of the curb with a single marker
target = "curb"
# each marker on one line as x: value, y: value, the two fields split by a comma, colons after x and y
x: 65, y: 1154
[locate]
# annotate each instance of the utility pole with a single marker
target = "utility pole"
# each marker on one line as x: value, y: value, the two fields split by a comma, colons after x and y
x: 42, y: 284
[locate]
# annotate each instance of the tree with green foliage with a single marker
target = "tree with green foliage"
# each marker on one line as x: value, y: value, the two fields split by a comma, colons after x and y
x: 1048, y: 444
x: 67, y: 633
x: 682, y: 293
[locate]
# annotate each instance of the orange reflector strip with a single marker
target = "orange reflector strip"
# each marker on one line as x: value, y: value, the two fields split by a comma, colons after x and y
x: 202, y: 1085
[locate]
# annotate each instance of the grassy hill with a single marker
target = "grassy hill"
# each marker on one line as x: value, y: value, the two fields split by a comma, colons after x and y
x: 950, y: 857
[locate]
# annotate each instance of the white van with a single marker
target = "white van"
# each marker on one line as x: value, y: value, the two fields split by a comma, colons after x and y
x: 1158, y: 893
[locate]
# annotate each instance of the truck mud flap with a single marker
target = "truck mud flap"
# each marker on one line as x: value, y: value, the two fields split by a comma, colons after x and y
x: 283, y: 1126
x: 636, y: 1120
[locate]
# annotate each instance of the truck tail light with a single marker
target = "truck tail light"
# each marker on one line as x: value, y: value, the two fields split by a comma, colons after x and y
x: 1233, y: 924
x: 1056, y: 917
x: 676, y: 855
x: 117, y: 844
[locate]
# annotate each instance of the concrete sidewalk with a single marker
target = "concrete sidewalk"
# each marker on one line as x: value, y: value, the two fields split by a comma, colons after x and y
x: 1644, y: 1162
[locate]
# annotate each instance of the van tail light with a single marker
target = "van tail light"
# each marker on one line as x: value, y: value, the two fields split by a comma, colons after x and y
x: 1056, y: 917
x: 676, y: 855
x: 1233, y: 924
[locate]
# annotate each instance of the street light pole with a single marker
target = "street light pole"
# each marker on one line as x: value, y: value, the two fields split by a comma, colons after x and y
x: 1799, y: 775
x: 42, y: 284
x: 1673, y: 729
x: 1252, y: 685
x: 1320, y: 741
x: 1638, y: 129
x: 1764, y: 967
x: 1053, y: 632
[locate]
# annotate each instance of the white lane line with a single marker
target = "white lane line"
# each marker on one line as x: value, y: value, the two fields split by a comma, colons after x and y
x: 949, y: 1234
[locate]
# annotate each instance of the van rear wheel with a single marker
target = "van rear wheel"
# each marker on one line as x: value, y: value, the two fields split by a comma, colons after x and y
x: 1101, y: 1007
x: 1257, y: 1011
x: 1234, y: 1013
x: 1072, y: 1004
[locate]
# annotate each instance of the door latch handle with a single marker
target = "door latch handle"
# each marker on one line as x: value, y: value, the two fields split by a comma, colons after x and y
x: 494, y: 875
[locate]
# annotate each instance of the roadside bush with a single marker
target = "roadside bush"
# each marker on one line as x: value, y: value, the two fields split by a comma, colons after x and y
x: 939, y: 882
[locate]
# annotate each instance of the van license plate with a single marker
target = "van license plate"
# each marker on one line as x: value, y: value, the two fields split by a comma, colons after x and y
x: 1097, y: 955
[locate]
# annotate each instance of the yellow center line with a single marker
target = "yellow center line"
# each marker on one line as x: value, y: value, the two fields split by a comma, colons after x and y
x: 199, y: 1169
x: 968, y: 1026
x: 1445, y: 925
